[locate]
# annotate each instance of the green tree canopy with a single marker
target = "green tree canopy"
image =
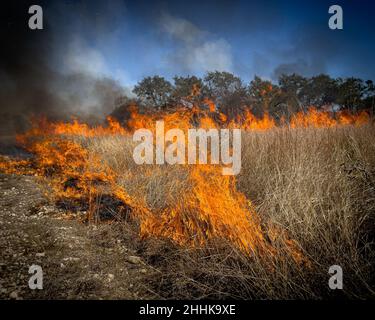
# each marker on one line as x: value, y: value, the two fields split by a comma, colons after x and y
x: 154, y: 91
x: 227, y: 90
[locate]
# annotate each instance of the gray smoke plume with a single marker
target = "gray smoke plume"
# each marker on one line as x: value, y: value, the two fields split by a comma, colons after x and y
x: 197, y: 49
x: 31, y: 85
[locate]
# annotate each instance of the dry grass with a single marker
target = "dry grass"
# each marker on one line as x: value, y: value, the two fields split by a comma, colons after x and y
x: 318, y: 184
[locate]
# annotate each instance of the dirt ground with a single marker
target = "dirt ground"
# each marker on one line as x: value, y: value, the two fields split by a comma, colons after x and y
x: 79, y: 261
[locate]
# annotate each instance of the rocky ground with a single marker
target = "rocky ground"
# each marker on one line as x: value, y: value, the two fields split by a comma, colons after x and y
x: 79, y: 261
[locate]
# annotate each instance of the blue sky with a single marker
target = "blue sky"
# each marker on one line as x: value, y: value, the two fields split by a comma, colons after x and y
x: 129, y: 40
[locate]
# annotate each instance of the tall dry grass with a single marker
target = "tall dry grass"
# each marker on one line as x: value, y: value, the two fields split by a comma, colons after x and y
x: 317, y: 184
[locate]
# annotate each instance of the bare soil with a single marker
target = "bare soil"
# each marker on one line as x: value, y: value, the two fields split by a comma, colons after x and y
x: 79, y: 261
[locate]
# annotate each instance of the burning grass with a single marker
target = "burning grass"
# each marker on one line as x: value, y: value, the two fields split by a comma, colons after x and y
x: 304, y: 201
x: 310, y: 188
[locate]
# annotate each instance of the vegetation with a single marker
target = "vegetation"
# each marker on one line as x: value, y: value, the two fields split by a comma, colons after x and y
x: 232, y: 96
x: 316, y: 184
x: 303, y: 201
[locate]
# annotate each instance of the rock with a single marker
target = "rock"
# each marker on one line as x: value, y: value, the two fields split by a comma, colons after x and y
x: 13, y: 295
x: 40, y: 254
x: 134, y: 259
x: 143, y: 271
x: 111, y: 276
x: 71, y: 259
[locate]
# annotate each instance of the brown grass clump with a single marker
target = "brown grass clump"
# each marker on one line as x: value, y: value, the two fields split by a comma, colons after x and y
x: 313, y: 185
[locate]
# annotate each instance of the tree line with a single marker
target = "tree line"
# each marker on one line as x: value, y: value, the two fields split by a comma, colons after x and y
x: 292, y: 93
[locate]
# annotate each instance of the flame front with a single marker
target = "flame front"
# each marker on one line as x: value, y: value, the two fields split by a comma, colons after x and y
x: 213, y: 208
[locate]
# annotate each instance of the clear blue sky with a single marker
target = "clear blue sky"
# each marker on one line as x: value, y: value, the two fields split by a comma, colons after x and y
x: 129, y: 40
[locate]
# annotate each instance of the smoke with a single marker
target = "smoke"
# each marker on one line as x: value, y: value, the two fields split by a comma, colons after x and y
x: 312, y: 52
x: 196, y: 49
x: 52, y: 72
x: 300, y: 66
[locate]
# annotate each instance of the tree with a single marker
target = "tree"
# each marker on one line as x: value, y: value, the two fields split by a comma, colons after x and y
x: 369, y: 101
x: 230, y: 96
x: 265, y: 96
x: 227, y: 91
x: 351, y: 91
x: 291, y: 88
x: 221, y: 84
x: 187, y: 89
x: 154, y: 91
x: 123, y: 108
x: 319, y: 91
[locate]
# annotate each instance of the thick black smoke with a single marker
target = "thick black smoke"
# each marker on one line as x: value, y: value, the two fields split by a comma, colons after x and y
x: 28, y: 83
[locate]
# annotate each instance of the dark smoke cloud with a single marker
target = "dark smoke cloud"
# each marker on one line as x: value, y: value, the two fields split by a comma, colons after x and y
x: 299, y: 66
x: 312, y: 52
x: 30, y: 85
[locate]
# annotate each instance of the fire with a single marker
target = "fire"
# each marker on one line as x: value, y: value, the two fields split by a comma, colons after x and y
x: 82, y: 129
x: 76, y: 176
x: 323, y: 119
x: 213, y: 208
x: 252, y: 123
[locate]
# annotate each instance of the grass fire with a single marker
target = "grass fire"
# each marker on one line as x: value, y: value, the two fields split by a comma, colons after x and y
x: 165, y: 150
x: 295, y: 206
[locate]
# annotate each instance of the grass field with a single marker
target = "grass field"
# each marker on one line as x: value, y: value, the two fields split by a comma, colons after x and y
x: 315, y: 184
x: 303, y: 201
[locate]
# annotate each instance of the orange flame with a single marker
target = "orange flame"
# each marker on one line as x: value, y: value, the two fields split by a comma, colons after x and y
x: 213, y: 209
x: 324, y: 119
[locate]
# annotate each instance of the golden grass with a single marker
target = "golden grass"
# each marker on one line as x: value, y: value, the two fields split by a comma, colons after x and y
x: 318, y: 184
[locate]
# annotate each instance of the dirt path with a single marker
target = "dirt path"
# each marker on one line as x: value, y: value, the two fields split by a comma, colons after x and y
x: 78, y: 261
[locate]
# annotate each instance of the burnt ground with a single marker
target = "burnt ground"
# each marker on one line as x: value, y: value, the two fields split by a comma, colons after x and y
x: 79, y: 261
